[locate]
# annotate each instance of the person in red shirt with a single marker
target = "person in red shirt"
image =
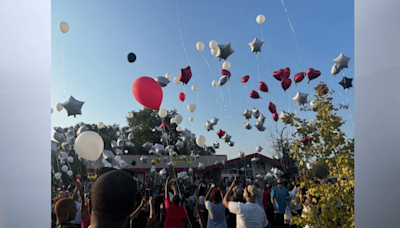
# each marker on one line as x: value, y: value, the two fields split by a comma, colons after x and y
x: 175, y: 215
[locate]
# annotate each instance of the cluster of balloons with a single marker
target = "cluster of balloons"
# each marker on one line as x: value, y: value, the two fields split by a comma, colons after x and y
x: 247, y: 114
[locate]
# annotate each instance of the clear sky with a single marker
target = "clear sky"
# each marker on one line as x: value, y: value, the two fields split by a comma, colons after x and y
x: 90, y: 61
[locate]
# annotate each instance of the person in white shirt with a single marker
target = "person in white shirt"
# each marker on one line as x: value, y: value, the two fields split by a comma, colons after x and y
x: 259, y: 199
x: 250, y: 214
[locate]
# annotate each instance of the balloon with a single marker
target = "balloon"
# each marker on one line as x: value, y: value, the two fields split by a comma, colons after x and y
x: 214, y: 52
x: 261, y: 118
x: 226, y: 138
x: 133, y: 162
x: 225, y: 51
x: 63, y: 26
x: 186, y: 133
x: 131, y: 57
x: 278, y: 74
x: 313, y: 104
x: 231, y: 143
x: 117, y: 158
x: 260, y: 126
x: 147, y: 92
x: 216, y: 145
x: 220, y: 133
x: 342, y: 61
x: 214, y: 83
x: 164, y: 138
x: 59, y: 137
x: 247, y: 126
x: 114, y: 144
x: 299, y: 77
x: 70, y: 159
x: 178, y: 119
x: 255, y: 159
x: 120, y: 141
x: 300, y: 98
x: 130, y: 136
x: 313, y: 74
x: 176, y: 80
x: 226, y: 65
x: 246, y: 114
x: 165, y: 127
x: 200, y: 140
x: 147, y: 146
x: 168, y: 75
x: 129, y: 115
x: 256, y: 113
x: 78, y: 176
x: 182, y: 97
x: 226, y: 73
x: 66, y: 146
x: 163, y: 81
x: 214, y: 121
x: 57, y: 176
x: 200, y: 46
x: 346, y: 82
x: 209, y: 126
x: 194, y: 88
x: 335, y: 70
x: 162, y: 113
x: 191, y: 119
x: 286, y: 83
x: 186, y: 75
x: 59, y: 130
x: 259, y: 148
x: 143, y: 159
x: 260, y: 19
x: 179, y: 144
x: 286, y: 73
x: 191, y: 107
x: 286, y: 118
x: 256, y: 45
x: 59, y: 107
x: 223, y: 80
x: 64, y: 168
x: 89, y: 145
x: 275, y: 117
x: 179, y: 129
x: 241, y: 155
x: 69, y: 173
x: 245, y: 79
x: 213, y: 44
x: 323, y: 89
x: 309, y: 166
x: 73, y: 106
x: 254, y: 95
x: 263, y: 87
x: 100, y: 125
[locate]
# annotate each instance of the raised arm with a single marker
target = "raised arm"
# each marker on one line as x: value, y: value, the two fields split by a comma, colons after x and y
x: 152, y: 217
x: 166, y: 186
x: 209, y: 192
x: 227, y: 197
x: 136, y: 213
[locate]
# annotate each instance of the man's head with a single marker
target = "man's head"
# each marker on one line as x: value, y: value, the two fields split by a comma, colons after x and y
x: 250, y: 193
x: 113, y: 198
x: 257, y: 184
x: 329, y: 182
x: 279, y: 181
x: 65, y: 209
x: 216, y: 196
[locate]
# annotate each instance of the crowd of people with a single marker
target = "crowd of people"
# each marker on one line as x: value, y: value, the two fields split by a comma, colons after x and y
x: 118, y: 200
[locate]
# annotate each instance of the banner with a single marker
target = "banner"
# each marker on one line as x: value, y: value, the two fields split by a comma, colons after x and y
x: 178, y: 160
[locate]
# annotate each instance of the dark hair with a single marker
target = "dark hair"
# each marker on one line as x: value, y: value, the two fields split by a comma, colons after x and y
x: 329, y: 180
x: 176, y: 200
x: 217, y: 197
x: 113, y: 194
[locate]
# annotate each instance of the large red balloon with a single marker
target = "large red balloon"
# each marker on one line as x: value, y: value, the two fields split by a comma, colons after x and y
x: 147, y: 92
x: 164, y: 126
x: 263, y: 87
x: 272, y: 107
x: 275, y: 117
x: 313, y: 74
x: 220, y: 133
x: 323, y: 89
x: 182, y: 97
x: 299, y: 77
x: 278, y: 74
x: 286, y: 82
x: 254, y: 94
x: 226, y: 72
x: 186, y: 75
x: 244, y: 79
x: 286, y: 73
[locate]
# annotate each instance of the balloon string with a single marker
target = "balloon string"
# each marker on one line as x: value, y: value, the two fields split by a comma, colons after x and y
x: 180, y: 33
x: 294, y: 35
x: 62, y: 67
x: 259, y: 79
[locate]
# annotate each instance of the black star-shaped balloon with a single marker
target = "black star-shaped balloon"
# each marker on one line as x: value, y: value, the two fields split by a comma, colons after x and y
x: 73, y: 106
x: 225, y: 51
x: 133, y: 162
x: 256, y: 45
x: 346, y: 82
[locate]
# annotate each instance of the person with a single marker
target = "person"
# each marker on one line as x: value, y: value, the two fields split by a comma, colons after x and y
x: 76, y: 197
x: 269, y: 209
x: 65, y: 210
x: 113, y: 198
x: 280, y: 199
x: 175, y: 214
x: 249, y: 214
x: 216, y: 210
x: 139, y: 216
x: 308, y: 202
x: 259, y: 199
x: 295, y: 207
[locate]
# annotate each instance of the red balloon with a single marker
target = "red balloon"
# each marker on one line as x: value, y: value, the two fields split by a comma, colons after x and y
x: 275, y: 117
x: 263, y: 87
x: 220, y: 133
x: 304, y: 141
x: 272, y: 108
x: 299, y: 77
x: 225, y: 72
x: 147, y: 92
x: 254, y: 94
x: 244, y: 79
x: 182, y: 97
x: 323, y: 89
x: 164, y: 126
x: 286, y: 82
x: 278, y: 74
x: 313, y: 74
x: 186, y: 75
x: 286, y: 73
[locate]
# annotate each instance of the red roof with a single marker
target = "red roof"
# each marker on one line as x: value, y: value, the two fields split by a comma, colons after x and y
x: 233, y: 161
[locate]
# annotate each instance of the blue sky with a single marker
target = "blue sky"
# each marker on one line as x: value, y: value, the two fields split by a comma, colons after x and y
x: 89, y: 62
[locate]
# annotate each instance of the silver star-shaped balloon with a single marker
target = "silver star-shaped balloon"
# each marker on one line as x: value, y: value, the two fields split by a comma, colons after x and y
x: 71, y: 131
x: 285, y: 117
x: 159, y: 148
x: 186, y: 133
x: 192, y: 156
x: 143, y: 159
x: 256, y: 45
x: 70, y: 139
x: 241, y: 155
x: 231, y: 143
x: 247, y: 126
x: 246, y: 114
x: 261, y: 118
x: 300, y: 98
x: 59, y: 137
x: 209, y: 126
x: 81, y: 129
x: 214, y: 121
x: 59, y: 130
x: 342, y: 61
x: 66, y: 146
x: 259, y: 124
x: 259, y: 148
x: 130, y: 144
x: 118, y: 151
x: 130, y: 136
x: 120, y: 141
x: 223, y: 80
x: 147, y: 146
x: 335, y: 70
x: 256, y: 113
x: 179, y: 144
x: 224, y: 51
x: 226, y: 138
x: 164, y: 137
x: 170, y: 147
x: 108, y: 155
x: 73, y: 106
x: 216, y: 145
x: 261, y: 128
x: 163, y: 81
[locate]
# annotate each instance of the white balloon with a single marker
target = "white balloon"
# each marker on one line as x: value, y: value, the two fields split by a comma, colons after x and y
x: 191, y: 119
x: 63, y: 26
x: 168, y: 75
x: 57, y: 176
x: 89, y: 145
x: 70, y: 173
x: 59, y: 107
x: 226, y: 65
x: 176, y: 80
x: 117, y: 158
x: 70, y: 159
x: 214, y: 52
x: 129, y: 115
x: 194, y: 88
x: 100, y: 125
x: 213, y: 44
x: 64, y: 168
x: 172, y: 120
x: 62, y: 162
x: 51, y: 110
x: 191, y: 107
x: 179, y: 129
x: 200, y: 140
x: 214, y: 83
x: 163, y: 113
x: 260, y: 19
x: 200, y: 46
x: 178, y: 119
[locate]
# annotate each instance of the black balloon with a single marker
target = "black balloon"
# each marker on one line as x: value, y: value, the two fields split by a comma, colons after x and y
x: 346, y: 82
x: 133, y: 162
x: 131, y: 57
x: 73, y: 106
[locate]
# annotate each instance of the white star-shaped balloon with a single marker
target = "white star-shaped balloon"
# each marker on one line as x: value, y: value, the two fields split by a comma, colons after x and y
x: 342, y: 61
x: 300, y: 98
x: 256, y: 45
